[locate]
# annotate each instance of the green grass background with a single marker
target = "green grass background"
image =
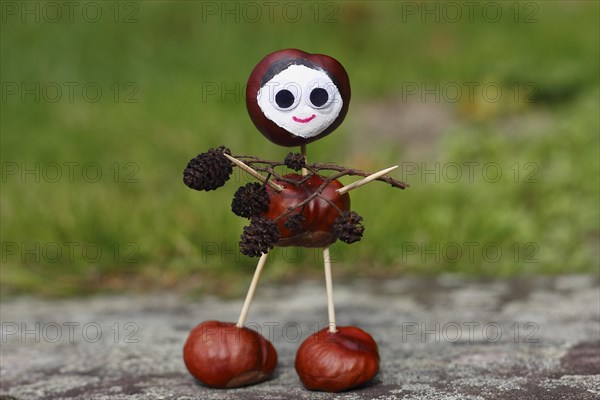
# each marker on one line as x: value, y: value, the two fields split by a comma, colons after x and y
x: 154, y: 232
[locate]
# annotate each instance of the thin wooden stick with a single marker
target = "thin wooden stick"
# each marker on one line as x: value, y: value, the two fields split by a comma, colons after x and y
x: 314, y: 168
x: 253, y: 172
x: 303, y: 152
x: 251, y: 290
x: 366, y: 180
x: 329, y: 285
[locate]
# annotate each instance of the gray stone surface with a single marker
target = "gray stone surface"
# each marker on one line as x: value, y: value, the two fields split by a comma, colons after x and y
x: 439, y: 339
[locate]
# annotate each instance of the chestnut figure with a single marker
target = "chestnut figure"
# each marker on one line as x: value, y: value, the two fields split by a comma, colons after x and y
x: 222, y: 355
x: 293, y: 99
x: 337, y: 361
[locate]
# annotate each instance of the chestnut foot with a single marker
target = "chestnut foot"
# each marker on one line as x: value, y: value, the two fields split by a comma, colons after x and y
x: 334, y: 362
x: 222, y: 355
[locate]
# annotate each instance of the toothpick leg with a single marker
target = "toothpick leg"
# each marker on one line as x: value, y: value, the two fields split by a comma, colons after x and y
x: 329, y: 285
x: 365, y: 180
x: 253, y: 172
x: 251, y: 290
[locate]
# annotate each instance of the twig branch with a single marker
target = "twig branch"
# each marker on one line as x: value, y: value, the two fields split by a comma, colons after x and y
x: 254, y: 173
x: 268, y: 167
x: 366, y: 180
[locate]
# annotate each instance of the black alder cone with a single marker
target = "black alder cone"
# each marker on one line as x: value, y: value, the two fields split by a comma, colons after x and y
x: 208, y: 171
x: 295, y: 161
x: 294, y: 222
x: 250, y: 200
x: 348, y: 227
x: 259, y: 237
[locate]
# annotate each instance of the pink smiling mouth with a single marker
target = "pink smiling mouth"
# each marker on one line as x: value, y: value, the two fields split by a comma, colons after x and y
x: 304, y: 120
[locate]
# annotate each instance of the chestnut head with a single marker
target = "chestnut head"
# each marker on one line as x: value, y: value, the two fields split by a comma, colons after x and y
x: 295, y: 98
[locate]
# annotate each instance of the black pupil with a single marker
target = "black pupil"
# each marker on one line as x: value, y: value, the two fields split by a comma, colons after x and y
x: 284, y: 98
x: 319, y: 97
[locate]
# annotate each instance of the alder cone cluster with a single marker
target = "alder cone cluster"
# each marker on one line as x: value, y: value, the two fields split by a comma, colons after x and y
x: 334, y: 362
x: 222, y: 355
x: 208, y: 171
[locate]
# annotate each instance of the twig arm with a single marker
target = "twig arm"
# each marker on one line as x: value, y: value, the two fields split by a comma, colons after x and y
x: 266, y: 166
x: 365, y: 180
x: 254, y: 173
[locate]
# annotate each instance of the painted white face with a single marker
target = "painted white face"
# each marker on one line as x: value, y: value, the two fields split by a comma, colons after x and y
x: 301, y: 100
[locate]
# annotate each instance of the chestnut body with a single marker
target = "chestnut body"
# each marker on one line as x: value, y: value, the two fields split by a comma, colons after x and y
x: 334, y: 362
x: 316, y: 229
x: 221, y: 355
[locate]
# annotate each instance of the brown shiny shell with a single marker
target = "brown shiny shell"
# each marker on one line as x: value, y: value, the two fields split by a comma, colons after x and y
x: 317, y: 228
x: 268, y: 128
x: 334, y: 362
x: 221, y: 355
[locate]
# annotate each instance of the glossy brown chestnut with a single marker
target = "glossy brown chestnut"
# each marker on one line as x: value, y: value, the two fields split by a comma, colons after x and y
x: 334, y: 362
x: 221, y: 355
x: 316, y: 228
x: 268, y: 128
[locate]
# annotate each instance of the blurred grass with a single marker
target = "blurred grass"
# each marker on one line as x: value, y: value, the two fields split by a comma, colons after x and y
x: 155, y: 233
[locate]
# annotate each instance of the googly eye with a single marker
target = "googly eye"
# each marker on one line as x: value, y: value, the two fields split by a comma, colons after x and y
x: 320, y: 92
x: 286, y: 97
